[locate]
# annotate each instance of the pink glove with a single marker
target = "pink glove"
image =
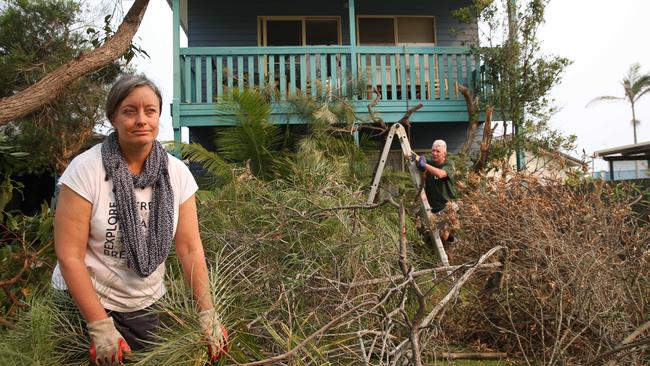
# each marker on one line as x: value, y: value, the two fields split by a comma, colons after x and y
x: 107, y: 346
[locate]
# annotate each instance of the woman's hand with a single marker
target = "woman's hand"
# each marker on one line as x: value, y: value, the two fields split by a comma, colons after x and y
x: 107, y: 346
x: 215, y: 334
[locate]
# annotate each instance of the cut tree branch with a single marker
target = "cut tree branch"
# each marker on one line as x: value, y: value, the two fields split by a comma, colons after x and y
x: 46, y: 89
x: 291, y: 353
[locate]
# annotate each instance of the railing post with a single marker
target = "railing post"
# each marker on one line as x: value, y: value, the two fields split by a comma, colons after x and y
x: 176, y: 40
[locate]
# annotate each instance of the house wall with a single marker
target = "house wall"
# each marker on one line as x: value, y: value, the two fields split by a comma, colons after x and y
x: 215, y: 23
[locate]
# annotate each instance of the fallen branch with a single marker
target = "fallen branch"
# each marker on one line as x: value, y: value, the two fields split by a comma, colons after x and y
x: 386, y: 200
x: 451, y: 294
x: 372, y: 105
x: 30, y: 258
x: 289, y: 354
x: 405, y: 119
x: 423, y: 272
x: 625, y: 344
x: 472, y: 355
x: 617, y: 349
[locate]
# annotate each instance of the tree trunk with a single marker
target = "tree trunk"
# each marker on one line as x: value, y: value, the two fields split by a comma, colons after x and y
x: 634, y: 122
x: 46, y: 89
x: 471, y: 102
x: 486, y: 141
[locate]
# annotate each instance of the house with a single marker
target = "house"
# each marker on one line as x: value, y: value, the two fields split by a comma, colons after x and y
x: 626, y: 162
x: 548, y: 164
x: 409, y: 51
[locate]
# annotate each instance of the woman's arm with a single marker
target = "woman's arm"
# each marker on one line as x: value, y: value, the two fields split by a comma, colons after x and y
x: 190, y: 253
x: 71, y: 229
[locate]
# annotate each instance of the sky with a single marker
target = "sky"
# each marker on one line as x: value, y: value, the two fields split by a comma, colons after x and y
x: 602, y: 39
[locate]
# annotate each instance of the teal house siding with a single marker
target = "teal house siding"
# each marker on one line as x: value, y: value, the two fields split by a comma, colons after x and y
x: 234, y: 24
x: 224, y: 52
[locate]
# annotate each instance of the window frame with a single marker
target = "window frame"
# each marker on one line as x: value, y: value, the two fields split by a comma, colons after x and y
x: 396, y: 28
x: 263, y: 19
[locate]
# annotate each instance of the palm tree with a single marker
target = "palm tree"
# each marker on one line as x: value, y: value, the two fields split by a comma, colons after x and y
x: 635, y: 86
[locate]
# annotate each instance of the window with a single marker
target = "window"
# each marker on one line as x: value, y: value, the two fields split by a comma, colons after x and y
x: 283, y: 33
x: 299, y: 31
x: 396, y: 30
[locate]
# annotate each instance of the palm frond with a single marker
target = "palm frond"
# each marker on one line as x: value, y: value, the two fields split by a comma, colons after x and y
x: 324, y: 114
x: 605, y: 98
x: 254, y: 140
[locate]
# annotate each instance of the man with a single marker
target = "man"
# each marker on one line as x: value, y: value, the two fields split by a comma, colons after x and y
x: 439, y: 188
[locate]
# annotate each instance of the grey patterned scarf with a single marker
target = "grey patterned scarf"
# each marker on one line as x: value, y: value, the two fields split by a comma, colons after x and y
x: 143, y: 253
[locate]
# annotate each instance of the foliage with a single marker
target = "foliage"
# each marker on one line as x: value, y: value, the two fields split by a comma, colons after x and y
x: 49, y: 333
x: 327, y: 116
x: 49, y: 36
x: 635, y: 85
x: 26, y: 257
x: 10, y: 157
x: 255, y: 140
x: 517, y: 74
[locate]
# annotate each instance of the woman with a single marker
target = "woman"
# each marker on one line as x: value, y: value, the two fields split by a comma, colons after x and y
x: 120, y: 205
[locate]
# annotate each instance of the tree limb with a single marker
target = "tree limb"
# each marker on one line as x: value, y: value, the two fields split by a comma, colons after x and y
x: 423, y: 272
x: 289, y: 354
x: 46, y: 89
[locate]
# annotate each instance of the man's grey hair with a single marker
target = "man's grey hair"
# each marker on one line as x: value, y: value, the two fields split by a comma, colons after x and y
x: 123, y: 87
x: 440, y: 143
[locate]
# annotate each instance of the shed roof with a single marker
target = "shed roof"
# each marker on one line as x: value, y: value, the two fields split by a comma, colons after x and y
x: 638, y: 151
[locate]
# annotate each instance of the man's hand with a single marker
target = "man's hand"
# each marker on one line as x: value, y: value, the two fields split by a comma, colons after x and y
x: 215, y: 333
x: 422, y: 163
x: 107, y: 346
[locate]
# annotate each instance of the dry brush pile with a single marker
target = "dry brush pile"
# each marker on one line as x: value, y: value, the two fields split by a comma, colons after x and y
x: 575, y: 289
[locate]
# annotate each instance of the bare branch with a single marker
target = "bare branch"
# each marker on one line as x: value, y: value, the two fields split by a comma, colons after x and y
x: 306, y: 341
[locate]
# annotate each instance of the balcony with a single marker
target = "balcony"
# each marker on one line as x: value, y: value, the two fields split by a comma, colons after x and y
x: 402, y: 76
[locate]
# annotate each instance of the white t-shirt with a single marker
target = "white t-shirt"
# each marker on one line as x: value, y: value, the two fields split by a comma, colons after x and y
x: 118, y: 287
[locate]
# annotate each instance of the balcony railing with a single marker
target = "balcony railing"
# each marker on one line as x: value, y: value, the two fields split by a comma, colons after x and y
x: 397, y: 73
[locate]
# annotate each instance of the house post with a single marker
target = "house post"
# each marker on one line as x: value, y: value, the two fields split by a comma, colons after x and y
x: 353, y: 51
x: 513, y: 40
x: 353, y: 37
x: 176, y: 98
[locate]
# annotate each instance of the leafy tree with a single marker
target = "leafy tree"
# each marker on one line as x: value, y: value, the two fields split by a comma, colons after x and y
x: 9, y: 158
x: 50, y: 35
x: 56, y: 81
x: 635, y: 85
x: 517, y: 74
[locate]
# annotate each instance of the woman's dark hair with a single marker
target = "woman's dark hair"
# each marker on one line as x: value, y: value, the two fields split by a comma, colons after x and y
x: 123, y: 87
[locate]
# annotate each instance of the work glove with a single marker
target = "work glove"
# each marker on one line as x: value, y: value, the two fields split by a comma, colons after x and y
x: 215, y: 333
x: 422, y: 163
x: 107, y: 346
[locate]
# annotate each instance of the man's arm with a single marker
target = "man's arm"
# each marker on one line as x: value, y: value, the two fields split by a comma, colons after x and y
x: 439, y: 173
x: 424, y: 166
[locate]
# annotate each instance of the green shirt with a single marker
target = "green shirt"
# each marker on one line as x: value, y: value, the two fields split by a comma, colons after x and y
x: 439, y: 190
